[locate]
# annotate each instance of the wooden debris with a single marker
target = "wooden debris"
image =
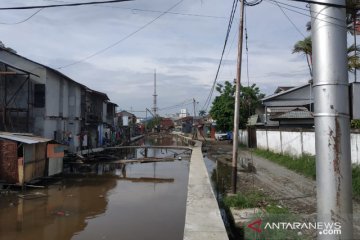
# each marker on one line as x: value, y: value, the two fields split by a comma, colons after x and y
x: 32, y: 195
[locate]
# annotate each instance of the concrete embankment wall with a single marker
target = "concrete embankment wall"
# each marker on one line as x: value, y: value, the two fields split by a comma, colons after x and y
x: 295, y: 143
x: 203, y: 219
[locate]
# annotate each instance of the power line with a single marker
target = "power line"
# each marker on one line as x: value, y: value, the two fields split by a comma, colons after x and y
x: 232, y: 14
x: 186, y: 102
x: 22, y: 21
x: 297, y: 29
x: 63, y: 5
x: 307, y: 15
x: 306, y: 10
x: 157, y: 11
x: 324, y: 4
x: 254, y: 3
x: 122, y: 39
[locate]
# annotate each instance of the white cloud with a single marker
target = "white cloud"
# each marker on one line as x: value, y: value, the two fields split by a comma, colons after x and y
x: 185, y: 50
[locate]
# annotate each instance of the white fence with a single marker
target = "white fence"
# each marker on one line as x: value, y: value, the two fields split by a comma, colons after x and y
x: 295, y: 143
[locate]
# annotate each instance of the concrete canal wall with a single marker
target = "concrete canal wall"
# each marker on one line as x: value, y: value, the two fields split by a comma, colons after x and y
x: 203, y: 219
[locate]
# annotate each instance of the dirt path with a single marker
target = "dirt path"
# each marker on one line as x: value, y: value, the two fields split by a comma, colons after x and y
x: 290, y: 189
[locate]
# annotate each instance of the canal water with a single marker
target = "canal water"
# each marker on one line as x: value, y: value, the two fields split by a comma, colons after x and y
x: 220, y: 178
x: 132, y: 202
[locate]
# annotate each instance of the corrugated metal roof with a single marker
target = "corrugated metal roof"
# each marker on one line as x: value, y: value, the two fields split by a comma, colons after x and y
x: 295, y: 115
x: 284, y: 109
x: 28, y: 139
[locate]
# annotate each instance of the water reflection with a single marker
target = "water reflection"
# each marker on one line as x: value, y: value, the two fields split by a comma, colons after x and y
x: 109, y: 201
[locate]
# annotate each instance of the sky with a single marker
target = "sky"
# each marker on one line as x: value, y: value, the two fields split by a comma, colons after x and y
x: 184, y: 48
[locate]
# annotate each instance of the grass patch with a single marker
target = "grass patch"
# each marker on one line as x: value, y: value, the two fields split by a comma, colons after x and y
x: 249, y: 200
x: 305, y: 165
x: 356, y: 181
x: 273, y: 214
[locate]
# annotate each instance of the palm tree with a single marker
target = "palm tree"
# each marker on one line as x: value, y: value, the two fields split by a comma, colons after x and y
x: 353, y: 57
x: 202, y: 113
x: 305, y: 47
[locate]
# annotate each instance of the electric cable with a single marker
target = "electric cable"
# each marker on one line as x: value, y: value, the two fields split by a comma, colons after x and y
x: 253, y: 3
x: 232, y: 14
x: 297, y: 29
x: 121, y: 40
x: 186, y: 102
x: 22, y: 21
x: 62, y: 5
x: 307, y: 9
x: 154, y: 11
x: 325, y: 4
x: 307, y: 15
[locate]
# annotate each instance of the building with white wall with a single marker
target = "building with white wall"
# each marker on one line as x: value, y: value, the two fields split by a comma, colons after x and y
x: 37, y: 99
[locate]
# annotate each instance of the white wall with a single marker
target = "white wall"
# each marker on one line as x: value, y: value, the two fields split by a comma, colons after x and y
x: 308, y: 143
x: 243, y: 136
x: 65, y: 98
x: 296, y: 143
x: 274, y: 141
x: 52, y: 96
x: 291, y: 143
x: 355, y: 148
x: 261, y: 139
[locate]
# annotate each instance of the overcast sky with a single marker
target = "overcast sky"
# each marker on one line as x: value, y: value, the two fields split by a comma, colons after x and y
x: 184, y: 50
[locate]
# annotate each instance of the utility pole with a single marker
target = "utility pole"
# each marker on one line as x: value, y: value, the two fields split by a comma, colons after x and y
x: 332, y: 122
x: 237, y: 100
x: 194, y: 128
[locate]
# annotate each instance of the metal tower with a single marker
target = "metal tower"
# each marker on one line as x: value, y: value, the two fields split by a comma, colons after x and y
x: 154, y: 109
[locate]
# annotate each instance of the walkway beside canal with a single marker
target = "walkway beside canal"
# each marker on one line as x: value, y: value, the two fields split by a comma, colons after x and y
x: 203, y: 218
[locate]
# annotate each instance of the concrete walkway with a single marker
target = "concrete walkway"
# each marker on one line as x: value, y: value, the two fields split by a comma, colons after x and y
x: 203, y: 218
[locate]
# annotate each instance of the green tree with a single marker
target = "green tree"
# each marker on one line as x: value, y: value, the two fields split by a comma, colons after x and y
x: 152, y: 123
x: 305, y: 47
x: 222, y: 109
x: 202, y: 113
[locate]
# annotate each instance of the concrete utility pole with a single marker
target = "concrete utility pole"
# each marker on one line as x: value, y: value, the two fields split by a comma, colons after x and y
x: 332, y: 123
x: 237, y: 99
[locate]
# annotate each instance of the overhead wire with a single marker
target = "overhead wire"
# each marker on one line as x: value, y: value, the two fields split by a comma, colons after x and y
x: 155, y: 11
x: 253, y: 3
x: 120, y: 40
x: 325, y: 4
x: 294, y: 25
x: 63, y: 5
x: 186, y: 102
x: 307, y: 9
x: 231, y: 18
x: 307, y: 15
x: 26, y: 19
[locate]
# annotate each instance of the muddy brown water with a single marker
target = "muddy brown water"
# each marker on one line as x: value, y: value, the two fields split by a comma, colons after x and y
x: 140, y: 201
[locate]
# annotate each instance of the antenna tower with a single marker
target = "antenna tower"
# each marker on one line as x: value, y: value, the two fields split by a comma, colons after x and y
x: 154, y: 109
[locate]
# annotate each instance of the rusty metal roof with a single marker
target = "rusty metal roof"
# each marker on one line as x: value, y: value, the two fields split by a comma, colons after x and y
x: 23, y: 138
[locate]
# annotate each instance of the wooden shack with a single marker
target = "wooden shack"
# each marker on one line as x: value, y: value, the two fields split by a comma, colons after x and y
x: 23, y: 158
